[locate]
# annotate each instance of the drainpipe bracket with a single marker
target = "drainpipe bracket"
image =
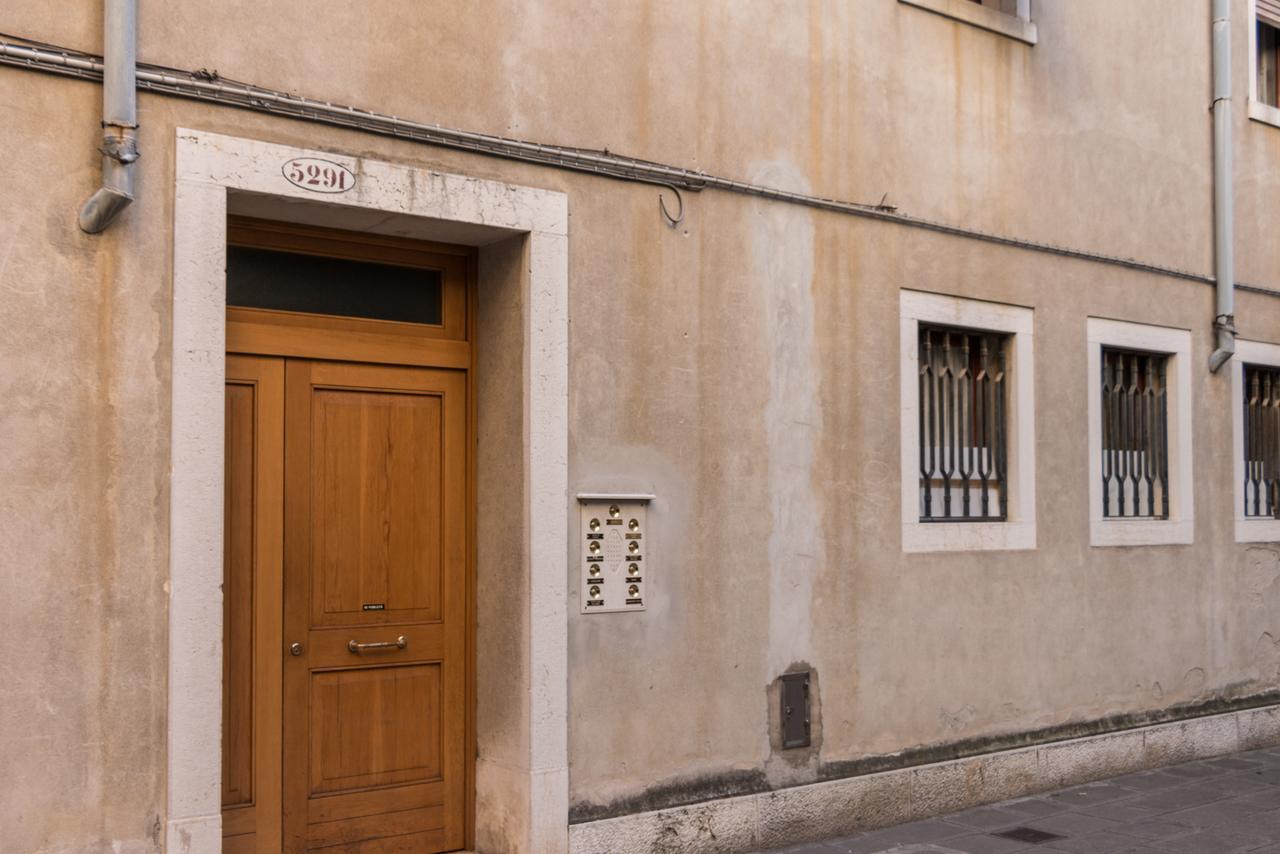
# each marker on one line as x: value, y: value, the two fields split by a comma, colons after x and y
x: 1225, y: 323
x: 123, y: 148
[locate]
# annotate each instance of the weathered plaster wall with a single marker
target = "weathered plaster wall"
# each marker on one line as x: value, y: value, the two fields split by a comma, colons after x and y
x: 752, y: 383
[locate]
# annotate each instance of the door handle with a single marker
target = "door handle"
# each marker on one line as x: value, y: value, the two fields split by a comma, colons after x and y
x: 399, y: 643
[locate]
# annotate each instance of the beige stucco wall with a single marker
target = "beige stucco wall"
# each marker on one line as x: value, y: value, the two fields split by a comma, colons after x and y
x: 753, y: 385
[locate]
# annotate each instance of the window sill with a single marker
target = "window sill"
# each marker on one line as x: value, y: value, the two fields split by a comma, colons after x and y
x: 1264, y: 113
x: 1255, y: 530
x: 1141, y: 532
x: 968, y: 536
x: 981, y: 17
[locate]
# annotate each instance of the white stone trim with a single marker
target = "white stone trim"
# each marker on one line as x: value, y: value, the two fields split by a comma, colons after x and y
x: 1179, y: 528
x: 1019, y: 531
x: 207, y: 167
x: 1249, y: 529
x: 1019, y: 26
x: 855, y: 804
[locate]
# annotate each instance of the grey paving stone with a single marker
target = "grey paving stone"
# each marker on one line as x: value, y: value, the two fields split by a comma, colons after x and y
x: 1092, y: 843
x: 867, y: 843
x: 1148, y: 781
x: 1215, y: 806
x: 1267, y: 775
x: 1136, y: 849
x: 1196, y: 770
x: 918, y: 832
x: 1073, y: 824
x: 915, y: 833
x: 1176, y: 799
x: 1234, y: 763
x: 1219, y: 812
x: 1095, y: 793
x: 1267, y: 823
x: 1242, y: 784
x: 1155, y: 829
x: 982, y: 843
x: 987, y: 818
x: 1267, y: 799
x: 1213, y: 841
x: 1036, y: 806
x: 1122, y: 811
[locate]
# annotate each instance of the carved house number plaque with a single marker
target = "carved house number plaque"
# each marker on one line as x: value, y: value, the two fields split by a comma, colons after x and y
x: 318, y: 176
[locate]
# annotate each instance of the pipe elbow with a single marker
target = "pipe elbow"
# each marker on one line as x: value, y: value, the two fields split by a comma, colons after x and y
x: 102, y: 208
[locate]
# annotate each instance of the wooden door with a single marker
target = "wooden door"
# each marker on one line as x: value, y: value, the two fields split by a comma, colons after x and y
x: 375, y: 556
x: 252, y: 555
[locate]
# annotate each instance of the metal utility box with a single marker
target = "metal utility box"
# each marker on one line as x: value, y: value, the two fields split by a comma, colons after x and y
x: 615, y: 560
x: 795, y: 709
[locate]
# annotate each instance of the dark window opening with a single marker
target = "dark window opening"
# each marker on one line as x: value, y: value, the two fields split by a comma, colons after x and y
x: 1268, y: 64
x: 963, y: 426
x: 1135, y: 435
x: 291, y: 281
x: 1261, y: 441
x: 1009, y: 7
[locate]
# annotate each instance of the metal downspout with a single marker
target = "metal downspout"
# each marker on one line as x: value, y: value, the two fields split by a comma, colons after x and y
x: 119, y: 116
x: 1224, y: 321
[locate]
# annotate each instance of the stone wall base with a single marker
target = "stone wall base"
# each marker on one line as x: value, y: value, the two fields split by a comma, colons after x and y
x: 842, y: 807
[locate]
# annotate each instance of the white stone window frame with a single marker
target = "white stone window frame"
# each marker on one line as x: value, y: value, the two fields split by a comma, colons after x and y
x: 1019, y: 26
x: 1259, y: 110
x: 1249, y: 529
x: 1018, y: 531
x: 1175, y: 344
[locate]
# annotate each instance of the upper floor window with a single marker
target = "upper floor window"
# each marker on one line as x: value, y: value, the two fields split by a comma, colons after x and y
x: 1009, y: 7
x: 1010, y: 18
x: 1264, y: 50
x: 1268, y: 41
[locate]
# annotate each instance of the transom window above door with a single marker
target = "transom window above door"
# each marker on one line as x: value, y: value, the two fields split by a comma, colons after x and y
x: 341, y: 287
x: 333, y: 282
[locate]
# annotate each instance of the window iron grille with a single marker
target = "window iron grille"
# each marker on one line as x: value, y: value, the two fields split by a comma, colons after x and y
x: 964, y: 437
x: 1135, y: 435
x: 1261, y: 442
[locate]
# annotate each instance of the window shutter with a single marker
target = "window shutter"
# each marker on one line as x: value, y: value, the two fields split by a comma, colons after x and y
x: 1269, y: 12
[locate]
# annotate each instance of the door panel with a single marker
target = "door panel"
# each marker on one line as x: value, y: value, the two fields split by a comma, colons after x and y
x: 252, y: 556
x: 375, y: 727
x: 375, y: 510
x: 375, y: 571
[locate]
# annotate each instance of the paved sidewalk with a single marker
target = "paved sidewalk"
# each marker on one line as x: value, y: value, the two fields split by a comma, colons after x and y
x: 1214, y: 806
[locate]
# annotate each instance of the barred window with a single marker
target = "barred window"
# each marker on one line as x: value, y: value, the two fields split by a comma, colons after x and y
x: 1135, y: 434
x: 1261, y: 441
x: 963, y: 425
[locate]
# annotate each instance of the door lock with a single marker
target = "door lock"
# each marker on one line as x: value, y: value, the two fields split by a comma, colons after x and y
x: 295, y: 648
